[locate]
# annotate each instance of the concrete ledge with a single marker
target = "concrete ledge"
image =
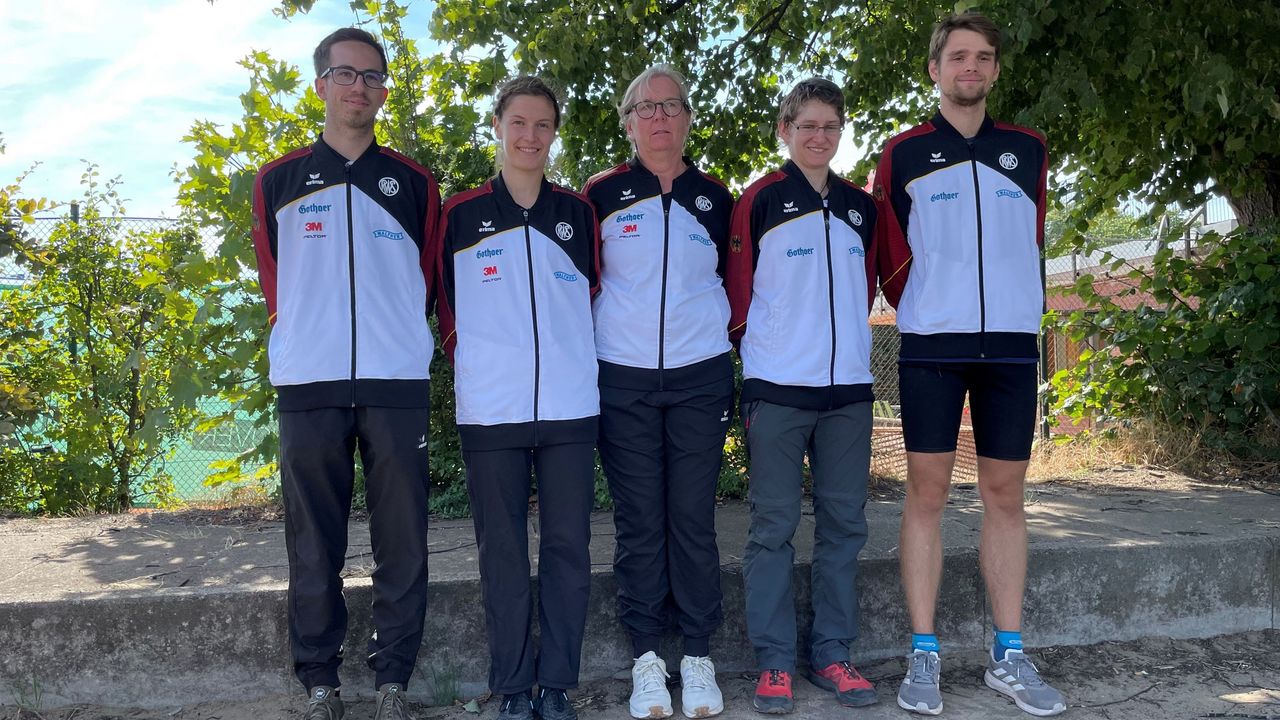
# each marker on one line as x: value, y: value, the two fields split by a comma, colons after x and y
x: 1177, y: 566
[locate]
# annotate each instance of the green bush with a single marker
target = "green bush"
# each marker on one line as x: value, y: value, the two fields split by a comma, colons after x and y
x: 1198, y: 354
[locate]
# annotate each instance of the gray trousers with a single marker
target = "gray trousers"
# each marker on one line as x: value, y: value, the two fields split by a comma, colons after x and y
x: 838, y: 443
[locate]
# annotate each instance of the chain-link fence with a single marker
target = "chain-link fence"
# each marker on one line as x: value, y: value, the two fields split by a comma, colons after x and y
x: 188, y: 459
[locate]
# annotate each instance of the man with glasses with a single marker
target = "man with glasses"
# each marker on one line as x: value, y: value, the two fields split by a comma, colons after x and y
x: 341, y: 231
x: 800, y: 280
x: 962, y: 202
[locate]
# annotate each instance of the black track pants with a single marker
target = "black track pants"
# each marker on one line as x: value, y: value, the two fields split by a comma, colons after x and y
x: 661, y: 452
x: 498, y: 482
x: 317, y: 474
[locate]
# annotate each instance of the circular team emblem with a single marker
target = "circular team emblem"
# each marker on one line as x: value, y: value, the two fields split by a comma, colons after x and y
x: 855, y: 217
x: 564, y: 231
x: 1008, y: 161
x: 703, y: 203
x: 389, y: 186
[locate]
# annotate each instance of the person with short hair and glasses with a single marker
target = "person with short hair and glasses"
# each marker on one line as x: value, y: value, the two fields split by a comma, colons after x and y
x: 666, y: 388
x: 801, y: 281
x: 342, y: 232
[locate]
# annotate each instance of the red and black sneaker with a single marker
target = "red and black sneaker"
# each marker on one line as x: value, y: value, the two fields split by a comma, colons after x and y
x: 842, y: 678
x: 773, y: 693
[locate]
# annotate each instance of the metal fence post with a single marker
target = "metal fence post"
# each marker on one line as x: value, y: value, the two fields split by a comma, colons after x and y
x: 75, y: 212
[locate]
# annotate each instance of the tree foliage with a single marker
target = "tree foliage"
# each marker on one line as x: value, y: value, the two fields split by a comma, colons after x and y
x: 1199, y: 354
x: 103, y: 343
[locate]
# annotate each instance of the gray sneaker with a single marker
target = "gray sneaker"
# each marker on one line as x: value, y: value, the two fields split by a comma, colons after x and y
x: 323, y: 703
x: 391, y: 703
x: 1017, y: 677
x: 919, y: 691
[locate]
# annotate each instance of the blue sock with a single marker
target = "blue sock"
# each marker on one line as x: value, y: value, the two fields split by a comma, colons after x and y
x: 928, y: 643
x: 1005, y: 641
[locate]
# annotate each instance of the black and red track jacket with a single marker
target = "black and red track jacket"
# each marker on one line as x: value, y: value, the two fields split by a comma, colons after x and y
x: 962, y: 226
x: 346, y: 267
x: 662, y: 316
x: 801, y: 280
x: 515, y: 314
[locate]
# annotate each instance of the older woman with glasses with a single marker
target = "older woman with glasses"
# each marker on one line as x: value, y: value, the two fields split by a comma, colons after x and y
x: 666, y: 387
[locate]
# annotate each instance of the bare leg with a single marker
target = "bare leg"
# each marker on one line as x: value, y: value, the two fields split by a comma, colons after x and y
x: 920, y: 542
x: 1002, y: 551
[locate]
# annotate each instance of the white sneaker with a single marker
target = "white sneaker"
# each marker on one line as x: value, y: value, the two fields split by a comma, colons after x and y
x: 649, y: 697
x: 699, y: 695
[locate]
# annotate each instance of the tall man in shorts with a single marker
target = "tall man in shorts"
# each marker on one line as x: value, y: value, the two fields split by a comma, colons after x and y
x: 962, y: 205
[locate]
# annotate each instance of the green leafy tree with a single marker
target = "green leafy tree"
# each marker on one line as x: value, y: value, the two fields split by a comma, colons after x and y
x: 102, y: 343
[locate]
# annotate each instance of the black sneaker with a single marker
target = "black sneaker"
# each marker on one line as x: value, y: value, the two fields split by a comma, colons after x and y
x: 391, y: 703
x: 516, y: 707
x: 323, y: 703
x: 553, y: 704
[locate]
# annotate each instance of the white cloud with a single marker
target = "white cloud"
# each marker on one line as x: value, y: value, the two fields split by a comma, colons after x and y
x: 120, y: 83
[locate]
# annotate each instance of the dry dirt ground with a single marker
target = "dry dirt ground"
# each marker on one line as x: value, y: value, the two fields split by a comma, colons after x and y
x: 1231, y: 676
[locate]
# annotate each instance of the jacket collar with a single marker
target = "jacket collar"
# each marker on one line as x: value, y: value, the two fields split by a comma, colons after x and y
x: 794, y: 172
x: 942, y: 125
x: 638, y: 167
x: 328, y: 155
x: 503, y: 194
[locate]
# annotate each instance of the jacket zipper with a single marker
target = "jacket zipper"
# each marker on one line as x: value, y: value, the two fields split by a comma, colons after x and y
x: 982, y: 292
x: 351, y: 275
x: 662, y: 305
x: 831, y: 303
x: 533, y: 311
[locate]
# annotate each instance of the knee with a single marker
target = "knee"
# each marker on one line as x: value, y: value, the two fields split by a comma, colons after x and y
x: 927, y: 498
x: 1005, y: 499
x: 773, y: 527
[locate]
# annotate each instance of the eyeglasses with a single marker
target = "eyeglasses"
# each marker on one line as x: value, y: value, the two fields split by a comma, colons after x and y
x: 346, y: 75
x: 808, y: 129
x: 671, y: 107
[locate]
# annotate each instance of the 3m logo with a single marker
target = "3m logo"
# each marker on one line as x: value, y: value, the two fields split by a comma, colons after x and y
x: 314, y: 227
x: 630, y: 228
x: 491, y: 270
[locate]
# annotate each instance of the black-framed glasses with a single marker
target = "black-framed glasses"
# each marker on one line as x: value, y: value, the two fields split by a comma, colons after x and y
x: 808, y: 129
x: 346, y: 75
x: 671, y: 107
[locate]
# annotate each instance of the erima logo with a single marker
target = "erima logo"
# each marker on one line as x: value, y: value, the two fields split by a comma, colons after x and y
x: 1008, y: 161
x: 388, y: 234
x: 315, y: 179
x: 943, y: 196
x: 936, y: 158
x: 629, y: 217
x: 857, y: 250
x: 488, y: 252
x: 389, y: 186
x: 797, y: 252
x: 486, y: 226
x: 313, y: 208
x: 699, y: 239
x: 627, y: 195
x: 564, y: 231
x: 855, y: 217
x: 702, y: 203
x: 789, y: 207
x: 567, y: 277
x: 1009, y: 193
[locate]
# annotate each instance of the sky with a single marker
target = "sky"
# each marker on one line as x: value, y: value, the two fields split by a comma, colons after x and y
x: 119, y: 82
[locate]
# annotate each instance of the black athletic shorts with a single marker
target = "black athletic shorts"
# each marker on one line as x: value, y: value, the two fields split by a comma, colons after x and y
x: 1002, y: 406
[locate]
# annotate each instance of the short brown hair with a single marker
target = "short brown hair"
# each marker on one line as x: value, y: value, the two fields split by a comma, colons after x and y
x: 525, y: 85
x: 973, y: 21
x: 321, y: 56
x: 814, y: 88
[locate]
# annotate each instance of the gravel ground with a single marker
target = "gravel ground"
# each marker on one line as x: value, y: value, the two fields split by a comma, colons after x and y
x: 1231, y: 676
